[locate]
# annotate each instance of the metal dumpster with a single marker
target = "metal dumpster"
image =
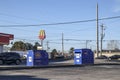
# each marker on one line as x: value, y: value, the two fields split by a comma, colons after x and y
x: 83, y: 56
x: 37, y: 58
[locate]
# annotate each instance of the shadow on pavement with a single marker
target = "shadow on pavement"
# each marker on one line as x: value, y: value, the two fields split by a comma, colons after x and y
x: 19, y: 77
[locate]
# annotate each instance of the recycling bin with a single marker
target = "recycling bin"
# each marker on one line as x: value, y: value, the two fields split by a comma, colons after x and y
x: 37, y: 58
x: 83, y: 56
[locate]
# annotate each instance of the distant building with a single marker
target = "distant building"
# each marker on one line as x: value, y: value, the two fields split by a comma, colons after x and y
x: 5, y: 39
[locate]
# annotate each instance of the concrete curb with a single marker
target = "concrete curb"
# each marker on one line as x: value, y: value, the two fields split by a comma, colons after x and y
x: 37, y: 67
x: 52, y: 66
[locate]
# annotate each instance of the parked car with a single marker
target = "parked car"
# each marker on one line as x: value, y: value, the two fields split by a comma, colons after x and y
x: 102, y: 57
x: 9, y: 58
x: 114, y: 57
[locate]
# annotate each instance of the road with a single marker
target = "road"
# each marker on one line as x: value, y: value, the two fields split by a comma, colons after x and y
x: 58, y: 63
x: 103, y: 72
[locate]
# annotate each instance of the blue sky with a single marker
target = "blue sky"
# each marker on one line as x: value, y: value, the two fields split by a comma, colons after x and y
x: 33, y: 12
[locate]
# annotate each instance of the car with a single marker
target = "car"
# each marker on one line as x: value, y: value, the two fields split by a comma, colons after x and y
x: 102, y: 57
x: 113, y: 57
x: 9, y: 58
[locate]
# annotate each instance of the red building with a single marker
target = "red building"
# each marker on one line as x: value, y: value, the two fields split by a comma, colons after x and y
x: 5, y: 39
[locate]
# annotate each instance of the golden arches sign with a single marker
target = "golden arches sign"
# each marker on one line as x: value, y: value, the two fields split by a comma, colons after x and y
x: 42, y: 35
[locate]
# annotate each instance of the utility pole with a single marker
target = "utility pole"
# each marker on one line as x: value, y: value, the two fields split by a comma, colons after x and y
x: 47, y: 45
x: 87, y: 42
x: 97, y: 32
x: 62, y: 43
x: 102, y: 36
x: 24, y: 45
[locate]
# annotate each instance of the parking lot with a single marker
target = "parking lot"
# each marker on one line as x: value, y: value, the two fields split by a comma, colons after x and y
x: 101, y: 72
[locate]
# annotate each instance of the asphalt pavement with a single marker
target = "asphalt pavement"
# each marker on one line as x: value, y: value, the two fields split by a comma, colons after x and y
x: 61, y: 63
x: 63, y: 70
x: 101, y: 72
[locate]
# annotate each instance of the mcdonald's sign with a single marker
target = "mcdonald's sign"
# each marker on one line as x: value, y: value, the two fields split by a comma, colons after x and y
x: 42, y: 35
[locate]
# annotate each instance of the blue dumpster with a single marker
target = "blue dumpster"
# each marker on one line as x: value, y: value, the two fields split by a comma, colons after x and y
x: 83, y: 56
x: 37, y: 58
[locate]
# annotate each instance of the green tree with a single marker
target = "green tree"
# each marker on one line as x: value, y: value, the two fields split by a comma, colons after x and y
x: 29, y: 46
x: 18, y: 46
x: 36, y: 45
x: 71, y: 51
x: 53, y: 53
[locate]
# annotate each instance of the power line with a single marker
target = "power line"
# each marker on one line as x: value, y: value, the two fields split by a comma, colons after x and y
x: 14, y: 16
x: 9, y: 21
x: 27, y: 39
x: 62, y: 23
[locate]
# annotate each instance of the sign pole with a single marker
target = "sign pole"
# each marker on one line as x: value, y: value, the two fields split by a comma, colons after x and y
x: 42, y: 44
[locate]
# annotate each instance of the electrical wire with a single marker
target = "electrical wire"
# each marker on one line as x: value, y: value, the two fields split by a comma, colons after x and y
x: 14, y: 16
x: 62, y: 23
